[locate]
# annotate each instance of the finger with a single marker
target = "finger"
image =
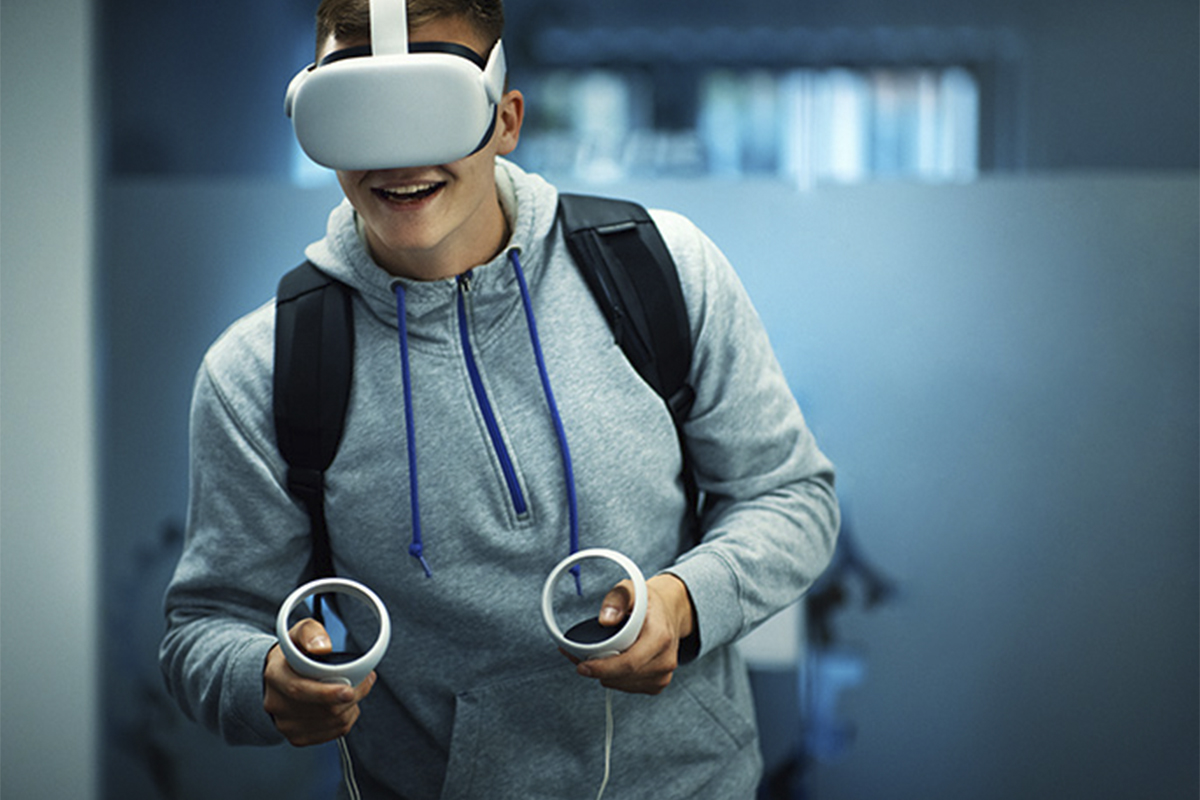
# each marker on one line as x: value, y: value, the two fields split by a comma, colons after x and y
x: 617, y: 604
x: 311, y: 637
x: 364, y: 688
x: 306, y: 711
x: 651, y: 680
x: 340, y: 697
x: 308, y: 697
x: 648, y: 656
x: 303, y: 732
x: 646, y: 667
x: 284, y: 682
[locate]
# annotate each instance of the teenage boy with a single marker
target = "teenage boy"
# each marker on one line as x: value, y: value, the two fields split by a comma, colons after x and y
x: 472, y: 698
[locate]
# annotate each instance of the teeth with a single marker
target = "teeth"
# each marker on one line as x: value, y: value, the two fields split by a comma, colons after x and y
x: 409, y: 191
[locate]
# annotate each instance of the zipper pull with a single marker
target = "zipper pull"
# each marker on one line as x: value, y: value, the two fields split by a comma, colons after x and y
x: 464, y: 281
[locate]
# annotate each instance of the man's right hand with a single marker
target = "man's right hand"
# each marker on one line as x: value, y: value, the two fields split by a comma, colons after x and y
x: 308, y: 711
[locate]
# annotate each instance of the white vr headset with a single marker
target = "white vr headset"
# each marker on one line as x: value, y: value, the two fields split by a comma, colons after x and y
x: 391, y: 105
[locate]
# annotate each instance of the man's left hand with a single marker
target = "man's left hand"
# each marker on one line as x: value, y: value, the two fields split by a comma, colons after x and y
x: 650, y: 662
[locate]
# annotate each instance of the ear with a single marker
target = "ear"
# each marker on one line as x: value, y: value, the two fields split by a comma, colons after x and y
x: 509, y: 118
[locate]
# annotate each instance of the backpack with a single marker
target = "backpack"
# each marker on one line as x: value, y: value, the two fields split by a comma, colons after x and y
x: 624, y: 262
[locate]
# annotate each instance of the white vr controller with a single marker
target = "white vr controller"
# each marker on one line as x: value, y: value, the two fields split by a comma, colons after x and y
x: 589, y: 639
x: 352, y: 672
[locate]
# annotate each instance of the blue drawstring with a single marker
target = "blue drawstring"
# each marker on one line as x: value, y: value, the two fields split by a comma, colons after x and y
x: 416, y: 548
x: 564, y: 448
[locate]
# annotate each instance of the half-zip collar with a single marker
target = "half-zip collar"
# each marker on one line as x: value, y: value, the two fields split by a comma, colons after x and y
x: 515, y: 492
x: 417, y: 546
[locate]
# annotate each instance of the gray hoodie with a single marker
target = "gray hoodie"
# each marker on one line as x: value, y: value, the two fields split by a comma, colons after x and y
x: 473, y: 698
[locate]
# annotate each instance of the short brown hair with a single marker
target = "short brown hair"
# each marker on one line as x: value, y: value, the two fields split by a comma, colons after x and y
x: 351, y: 19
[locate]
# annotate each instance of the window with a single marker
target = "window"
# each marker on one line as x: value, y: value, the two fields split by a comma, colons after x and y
x: 807, y: 125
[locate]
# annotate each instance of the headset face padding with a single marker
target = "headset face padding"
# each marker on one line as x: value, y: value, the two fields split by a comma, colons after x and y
x: 402, y: 110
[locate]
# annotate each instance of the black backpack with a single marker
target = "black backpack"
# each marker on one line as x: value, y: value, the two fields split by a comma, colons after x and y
x: 626, y: 265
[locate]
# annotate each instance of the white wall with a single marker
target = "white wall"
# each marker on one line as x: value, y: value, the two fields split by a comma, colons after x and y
x: 48, y: 593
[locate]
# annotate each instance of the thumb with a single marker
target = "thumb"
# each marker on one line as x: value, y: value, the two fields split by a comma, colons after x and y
x: 617, y: 604
x: 311, y: 637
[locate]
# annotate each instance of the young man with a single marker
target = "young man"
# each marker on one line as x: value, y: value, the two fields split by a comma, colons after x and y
x: 472, y: 698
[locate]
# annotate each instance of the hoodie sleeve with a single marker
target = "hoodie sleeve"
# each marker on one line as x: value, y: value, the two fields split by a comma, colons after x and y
x: 245, y: 546
x: 772, y: 517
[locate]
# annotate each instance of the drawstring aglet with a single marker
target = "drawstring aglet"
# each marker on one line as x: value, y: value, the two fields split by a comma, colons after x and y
x: 416, y: 551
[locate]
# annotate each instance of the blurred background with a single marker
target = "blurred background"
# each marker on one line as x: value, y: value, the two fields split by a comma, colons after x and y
x: 971, y: 228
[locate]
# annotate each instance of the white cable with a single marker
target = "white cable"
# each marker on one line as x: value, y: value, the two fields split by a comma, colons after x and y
x: 608, y: 739
x: 348, y: 769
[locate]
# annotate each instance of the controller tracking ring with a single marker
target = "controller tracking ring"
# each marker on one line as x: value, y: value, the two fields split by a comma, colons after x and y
x: 624, y: 636
x: 353, y: 672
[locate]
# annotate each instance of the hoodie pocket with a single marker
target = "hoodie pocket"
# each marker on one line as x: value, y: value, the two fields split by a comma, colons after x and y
x: 543, y: 736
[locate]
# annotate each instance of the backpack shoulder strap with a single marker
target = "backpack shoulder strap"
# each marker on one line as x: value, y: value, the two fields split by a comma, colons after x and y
x: 629, y: 269
x: 314, y: 357
x: 627, y: 265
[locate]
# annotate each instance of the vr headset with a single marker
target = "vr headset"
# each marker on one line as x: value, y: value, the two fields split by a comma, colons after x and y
x: 390, y: 105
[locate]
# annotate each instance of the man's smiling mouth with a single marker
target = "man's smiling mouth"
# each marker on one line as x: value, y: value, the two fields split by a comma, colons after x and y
x: 408, y: 194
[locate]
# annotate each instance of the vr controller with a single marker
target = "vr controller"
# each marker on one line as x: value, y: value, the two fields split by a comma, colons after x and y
x: 353, y: 671
x: 589, y: 639
x: 391, y: 106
